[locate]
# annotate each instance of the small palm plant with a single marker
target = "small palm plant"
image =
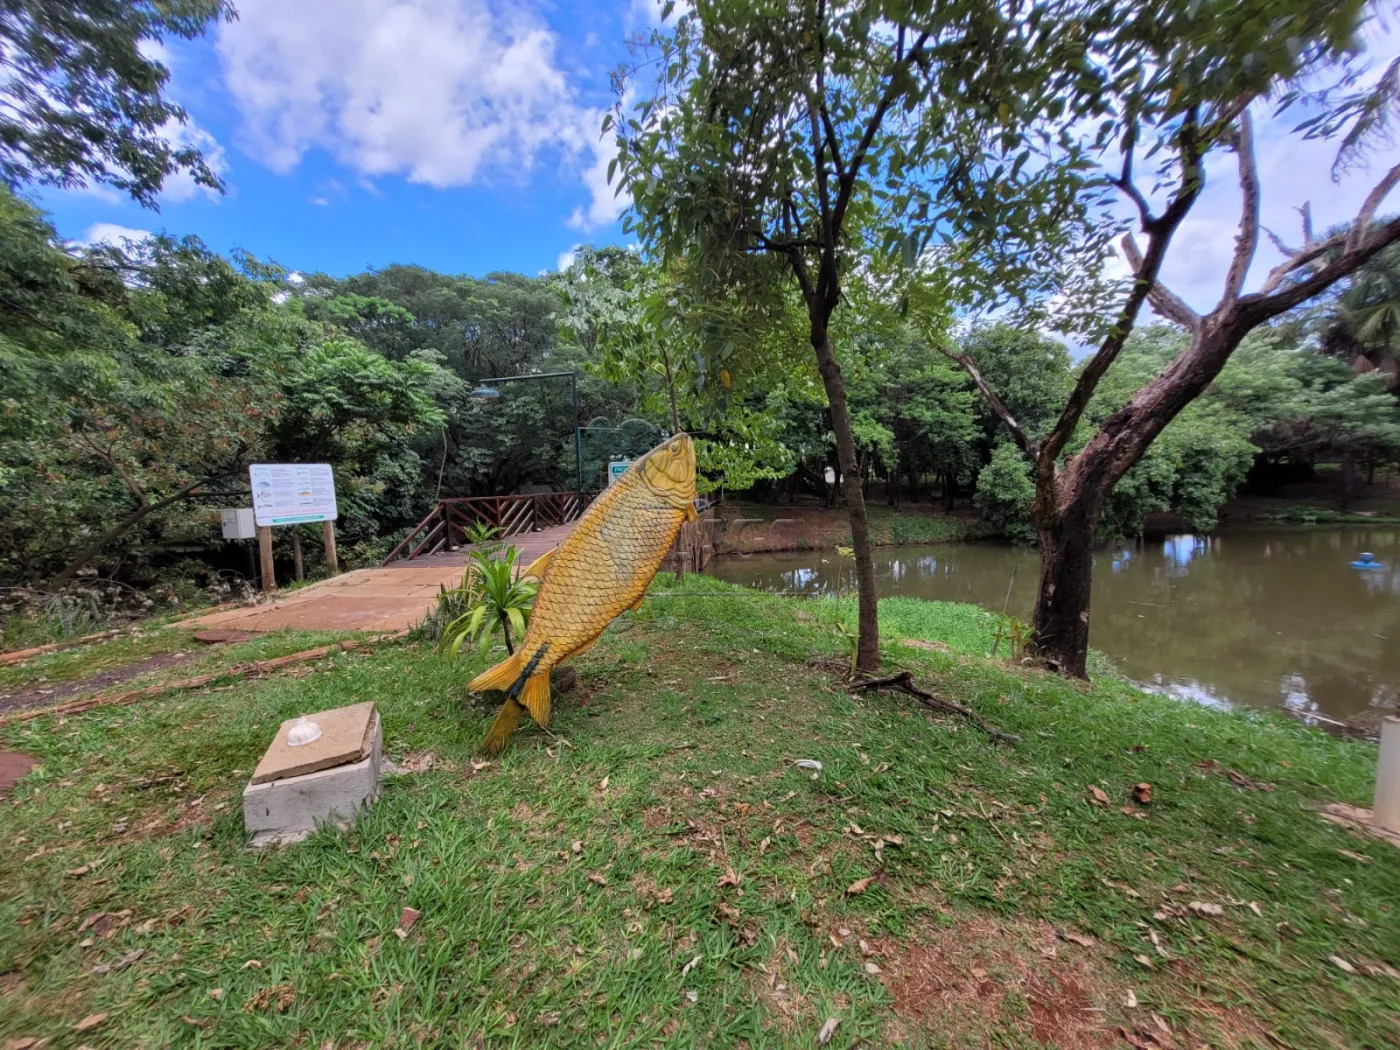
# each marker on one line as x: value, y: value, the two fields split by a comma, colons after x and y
x: 494, y: 598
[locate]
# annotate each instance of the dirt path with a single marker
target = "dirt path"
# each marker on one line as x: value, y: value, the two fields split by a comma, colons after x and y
x: 43, y: 695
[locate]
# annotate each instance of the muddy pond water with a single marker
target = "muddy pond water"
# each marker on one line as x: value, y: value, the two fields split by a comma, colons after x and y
x: 1257, y: 618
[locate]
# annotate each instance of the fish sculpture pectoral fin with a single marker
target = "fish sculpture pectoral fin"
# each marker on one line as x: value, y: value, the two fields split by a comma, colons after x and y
x: 504, y: 725
x: 502, y: 677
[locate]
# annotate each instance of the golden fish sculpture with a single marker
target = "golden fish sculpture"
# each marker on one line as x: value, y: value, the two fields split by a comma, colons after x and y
x: 602, y: 569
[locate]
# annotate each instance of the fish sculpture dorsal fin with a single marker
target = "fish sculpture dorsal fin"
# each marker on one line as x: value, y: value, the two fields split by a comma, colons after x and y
x: 535, y: 570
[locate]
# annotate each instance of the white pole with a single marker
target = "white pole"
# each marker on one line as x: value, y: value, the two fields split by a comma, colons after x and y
x: 1387, y: 809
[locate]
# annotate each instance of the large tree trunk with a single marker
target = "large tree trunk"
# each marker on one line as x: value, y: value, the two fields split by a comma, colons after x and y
x: 97, y: 546
x: 1061, y: 631
x: 948, y: 492
x: 868, y: 646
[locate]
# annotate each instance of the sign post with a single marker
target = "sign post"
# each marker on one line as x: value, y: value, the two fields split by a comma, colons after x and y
x: 290, y: 494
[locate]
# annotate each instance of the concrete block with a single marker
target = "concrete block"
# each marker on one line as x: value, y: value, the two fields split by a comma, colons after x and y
x: 286, y: 811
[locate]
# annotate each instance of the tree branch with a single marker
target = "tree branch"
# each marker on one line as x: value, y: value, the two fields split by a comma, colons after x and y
x: 872, y: 126
x: 998, y: 406
x: 1147, y: 267
x: 1247, y: 240
x: 1348, y: 241
x: 1163, y: 299
x: 1125, y: 182
x: 1262, y: 306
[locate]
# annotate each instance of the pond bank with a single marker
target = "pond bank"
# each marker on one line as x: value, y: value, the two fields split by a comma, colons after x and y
x: 668, y: 876
x: 1269, y: 618
x: 748, y: 528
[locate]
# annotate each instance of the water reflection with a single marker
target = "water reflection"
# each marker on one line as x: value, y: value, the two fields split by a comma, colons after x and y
x: 1268, y: 619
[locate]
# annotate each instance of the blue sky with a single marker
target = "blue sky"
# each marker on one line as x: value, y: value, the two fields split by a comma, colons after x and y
x: 462, y: 135
x: 457, y: 134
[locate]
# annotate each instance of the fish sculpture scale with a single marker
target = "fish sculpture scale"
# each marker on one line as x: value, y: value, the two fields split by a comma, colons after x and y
x: 602, y: 569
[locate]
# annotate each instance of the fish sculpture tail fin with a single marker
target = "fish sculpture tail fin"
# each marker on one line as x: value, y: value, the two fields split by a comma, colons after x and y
x: 504, y: 677
x: 535, y: 697
x: 503, y: 726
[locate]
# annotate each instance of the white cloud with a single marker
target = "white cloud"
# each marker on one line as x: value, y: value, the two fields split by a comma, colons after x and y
x: 443, y: 92
x: 648, y: 12
x: 1292, y: 171
x: 111, y: 233
x: 566, y: 258
x: 605, y: 204
x: 181, y: 186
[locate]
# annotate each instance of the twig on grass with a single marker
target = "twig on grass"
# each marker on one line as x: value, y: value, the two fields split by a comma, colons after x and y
x: 904, y: 683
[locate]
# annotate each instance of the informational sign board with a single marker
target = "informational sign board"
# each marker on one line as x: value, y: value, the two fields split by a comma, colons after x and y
x: 617, y: 468
x: 291, y: 493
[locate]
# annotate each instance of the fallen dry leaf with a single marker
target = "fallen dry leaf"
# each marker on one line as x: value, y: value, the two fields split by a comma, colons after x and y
x: 88, y: 1023
x: 598, y: 880
x: 1084, y: 940
x: 872, y: 969
x: 547, y: 1018
x: 729, y: 878
x: 1142, y: 793
x: 26, y: 1043
x: 1206, y: 908
x: 1360, y: 858
x: 1143, y: 960
x: 1341, y: 964
x: 858, y: 887
x: 603, y: 784
x: 1097, y: 796
x: 408, y: 917
x: 1130, y: 1000
x: 577, y: 847
x: 828, y: 1029
x: 664, y: 896
x: 217, y: 994
x: 252, y: 964
x: 691, y: 965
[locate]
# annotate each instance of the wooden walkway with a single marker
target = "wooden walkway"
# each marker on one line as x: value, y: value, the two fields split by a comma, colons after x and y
x: 385, y: 599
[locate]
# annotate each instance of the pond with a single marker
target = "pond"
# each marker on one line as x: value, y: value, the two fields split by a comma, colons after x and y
x: 1257, y: 618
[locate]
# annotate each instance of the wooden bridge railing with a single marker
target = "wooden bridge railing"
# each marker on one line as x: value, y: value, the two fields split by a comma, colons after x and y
x: 445, y: 527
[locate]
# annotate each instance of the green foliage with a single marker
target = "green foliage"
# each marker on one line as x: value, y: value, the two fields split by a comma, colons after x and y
x: 142, y: 377
x: 491, y: 597
x: 1004, y: 494
x: 84, y: 98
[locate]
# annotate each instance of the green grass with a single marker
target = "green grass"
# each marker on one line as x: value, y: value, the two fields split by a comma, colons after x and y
x: 676, y: 772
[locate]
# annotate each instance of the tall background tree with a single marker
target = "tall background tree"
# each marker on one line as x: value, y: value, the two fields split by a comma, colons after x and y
x: 84, y: 93
x: 1183, y: 85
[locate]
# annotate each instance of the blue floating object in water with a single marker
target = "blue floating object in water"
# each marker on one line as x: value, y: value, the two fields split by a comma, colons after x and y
x: 1367, y: 561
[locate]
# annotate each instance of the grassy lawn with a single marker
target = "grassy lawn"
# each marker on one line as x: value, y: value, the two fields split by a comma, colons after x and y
x: 660, y: 874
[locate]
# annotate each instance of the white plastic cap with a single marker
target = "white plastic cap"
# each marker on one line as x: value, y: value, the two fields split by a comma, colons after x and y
x: 302, y: 732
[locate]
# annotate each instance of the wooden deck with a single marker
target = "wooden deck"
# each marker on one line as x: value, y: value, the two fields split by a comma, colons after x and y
x: 385, y: 599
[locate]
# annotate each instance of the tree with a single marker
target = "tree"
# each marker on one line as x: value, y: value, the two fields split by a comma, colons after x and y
x: 644, y: 329
x: 84, y: 95
x: 777, y: 132
x: 1198, y: 70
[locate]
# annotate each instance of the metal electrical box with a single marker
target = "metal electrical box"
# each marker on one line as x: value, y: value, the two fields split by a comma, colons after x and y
x: 238, y: 523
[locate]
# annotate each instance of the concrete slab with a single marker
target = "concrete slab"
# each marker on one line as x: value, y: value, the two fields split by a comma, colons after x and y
x: 346, y: 736
x: 286, y: 811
